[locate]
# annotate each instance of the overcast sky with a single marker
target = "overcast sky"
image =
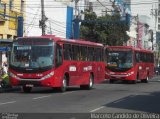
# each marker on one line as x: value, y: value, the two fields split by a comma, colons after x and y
x: 56, y: 13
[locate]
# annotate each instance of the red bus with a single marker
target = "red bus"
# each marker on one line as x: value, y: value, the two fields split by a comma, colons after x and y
x: 128, y: 64
x: 50, y: 61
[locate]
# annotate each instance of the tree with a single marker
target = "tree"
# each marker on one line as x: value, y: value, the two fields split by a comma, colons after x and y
x: 106, y: 29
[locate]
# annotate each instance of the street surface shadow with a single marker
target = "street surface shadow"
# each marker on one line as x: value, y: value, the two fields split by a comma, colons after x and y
x: 120, y: 82
x: 146, y: 103
x: 41, y: 90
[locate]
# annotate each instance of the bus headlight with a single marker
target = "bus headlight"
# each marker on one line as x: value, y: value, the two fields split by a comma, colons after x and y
x: 47, y: 76
x: 130, y: 73
x: 13, y: 76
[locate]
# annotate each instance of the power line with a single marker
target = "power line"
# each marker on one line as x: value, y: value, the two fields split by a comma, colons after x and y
x: 33, y: 20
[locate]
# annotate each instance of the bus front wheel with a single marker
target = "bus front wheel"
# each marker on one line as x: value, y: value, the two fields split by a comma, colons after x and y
x: 90, y: 85
x: 145, y: 80
x: 135, y: 81
x: 27, y: 89
x: 64, y: 84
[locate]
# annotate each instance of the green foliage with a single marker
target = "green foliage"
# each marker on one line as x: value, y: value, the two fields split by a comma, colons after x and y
x: 106, y: 29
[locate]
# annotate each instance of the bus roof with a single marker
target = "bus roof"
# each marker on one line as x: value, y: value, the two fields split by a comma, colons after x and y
x: 130, y: 47
x: 58, y: 39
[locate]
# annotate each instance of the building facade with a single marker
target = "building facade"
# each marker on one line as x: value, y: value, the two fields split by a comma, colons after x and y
x: 157, y: 10
x: 11, y: 23
x: 10, y: 10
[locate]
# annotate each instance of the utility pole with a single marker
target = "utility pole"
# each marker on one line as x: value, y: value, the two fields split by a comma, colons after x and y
x: 43, y: 18
x: 154, y: 12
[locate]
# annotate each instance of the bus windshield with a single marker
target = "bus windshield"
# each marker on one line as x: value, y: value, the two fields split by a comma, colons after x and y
x: 32, y: 54
x: 120, y: 59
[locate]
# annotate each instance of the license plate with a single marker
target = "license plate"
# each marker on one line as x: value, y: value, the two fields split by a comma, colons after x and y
x: 29, y: 85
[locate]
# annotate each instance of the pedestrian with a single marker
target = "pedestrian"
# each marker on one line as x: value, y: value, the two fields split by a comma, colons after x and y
x: 5, y: 68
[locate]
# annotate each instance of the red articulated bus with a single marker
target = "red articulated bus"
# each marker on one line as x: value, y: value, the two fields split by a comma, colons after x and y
x: 129, y: 64
x: 50, y: 61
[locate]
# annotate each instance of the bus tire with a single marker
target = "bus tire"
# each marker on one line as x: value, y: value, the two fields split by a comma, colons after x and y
x: 63, y: 88
x: 90, y: 85
x: 145, y: 80
x: 135, y: 81
x: 27, y: 89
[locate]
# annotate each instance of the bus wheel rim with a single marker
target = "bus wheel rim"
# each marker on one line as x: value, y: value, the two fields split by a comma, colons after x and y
x: 91, y: 82
x: 64, y: 83
x: 147, y: 78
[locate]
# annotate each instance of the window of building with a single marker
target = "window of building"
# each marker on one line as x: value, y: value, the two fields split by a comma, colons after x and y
x: 158, y: 26
x: 9, y: 36
x: 158, y: 13
x: 159, y: 20
x: 22, y: 5
x: 11, y: 4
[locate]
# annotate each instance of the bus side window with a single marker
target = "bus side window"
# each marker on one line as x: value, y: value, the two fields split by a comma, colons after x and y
x: 91, y: 54
x: 58, y: 55
x: 67, y: 52
x: 137, y: 57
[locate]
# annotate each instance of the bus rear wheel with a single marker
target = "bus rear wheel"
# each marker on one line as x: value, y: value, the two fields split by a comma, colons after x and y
x: 27, y: 89
x: 90, y: 85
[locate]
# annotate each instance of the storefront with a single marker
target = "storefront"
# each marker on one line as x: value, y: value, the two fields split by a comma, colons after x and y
x: 5, y: 45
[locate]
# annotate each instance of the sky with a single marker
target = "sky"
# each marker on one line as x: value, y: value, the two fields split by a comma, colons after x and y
x: 56, y: 14
x: 54, y: 11
x: 145, y: 9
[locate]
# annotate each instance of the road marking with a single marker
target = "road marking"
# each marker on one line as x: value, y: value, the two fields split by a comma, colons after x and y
x: 97, y: 109
x: 7, y: 103
x: 41, y: 97
x: 68, y: 92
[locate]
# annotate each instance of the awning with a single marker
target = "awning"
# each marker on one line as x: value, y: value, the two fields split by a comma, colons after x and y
x: 7, y: 41
x: 5, y: 44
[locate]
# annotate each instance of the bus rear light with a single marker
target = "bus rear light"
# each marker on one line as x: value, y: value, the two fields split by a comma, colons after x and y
x: 47, y: 76
x: 13, y: 76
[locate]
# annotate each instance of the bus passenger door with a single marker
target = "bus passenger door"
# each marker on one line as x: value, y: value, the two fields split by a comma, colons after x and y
x: 99, y: 64
x: 70, y: 62
x: 140, y: 65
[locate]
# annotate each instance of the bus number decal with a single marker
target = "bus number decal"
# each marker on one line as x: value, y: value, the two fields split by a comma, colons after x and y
x: 87, y: 68
x: 72, y: 68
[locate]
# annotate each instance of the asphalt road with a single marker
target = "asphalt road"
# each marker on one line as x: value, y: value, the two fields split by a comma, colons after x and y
x: 104, y: 98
